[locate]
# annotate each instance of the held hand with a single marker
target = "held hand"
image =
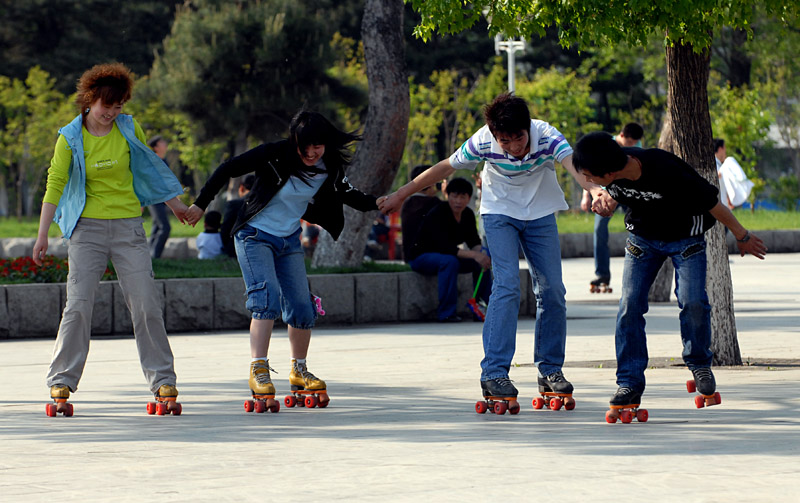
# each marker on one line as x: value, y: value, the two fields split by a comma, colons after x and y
x: 754, y: 246
x: 389, y: 204
x: 483, y: 260
x: 179, y: 210
x: 193, y: 215
x: 604, y: 205
x: 39, y: 250
x: 586, y: 201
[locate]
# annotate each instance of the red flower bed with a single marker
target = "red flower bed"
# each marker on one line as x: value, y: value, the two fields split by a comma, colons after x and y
x: 52, y: 270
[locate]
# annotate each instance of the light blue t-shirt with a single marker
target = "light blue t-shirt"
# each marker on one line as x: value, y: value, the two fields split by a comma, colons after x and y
x: 281, y: 216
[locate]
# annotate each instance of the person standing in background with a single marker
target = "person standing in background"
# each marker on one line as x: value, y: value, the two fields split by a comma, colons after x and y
x: 159, y: 233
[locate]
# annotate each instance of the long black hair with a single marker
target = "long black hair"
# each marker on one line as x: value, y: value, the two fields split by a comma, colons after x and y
x: 312, y: 128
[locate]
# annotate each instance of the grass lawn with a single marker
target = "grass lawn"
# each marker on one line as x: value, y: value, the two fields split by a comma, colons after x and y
x: 568, y: 223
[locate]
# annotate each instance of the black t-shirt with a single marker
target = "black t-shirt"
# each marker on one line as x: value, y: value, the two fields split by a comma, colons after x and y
x: 669, y: 202
x: 414, y: 210
x: 440, y: 233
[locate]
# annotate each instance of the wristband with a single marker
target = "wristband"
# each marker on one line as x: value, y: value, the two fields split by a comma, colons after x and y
x: 746, y: 237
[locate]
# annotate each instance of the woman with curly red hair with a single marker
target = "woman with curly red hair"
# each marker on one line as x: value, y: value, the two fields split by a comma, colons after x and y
x: 100, y: 177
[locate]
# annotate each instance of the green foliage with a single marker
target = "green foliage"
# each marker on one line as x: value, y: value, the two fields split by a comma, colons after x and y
x: 31, y: 111
x: 786, y: 192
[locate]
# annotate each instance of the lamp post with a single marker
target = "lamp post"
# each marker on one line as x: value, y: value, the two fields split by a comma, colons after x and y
x: 511, y: 46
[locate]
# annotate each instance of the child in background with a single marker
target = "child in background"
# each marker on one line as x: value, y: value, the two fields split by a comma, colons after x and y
x: 209, y: 242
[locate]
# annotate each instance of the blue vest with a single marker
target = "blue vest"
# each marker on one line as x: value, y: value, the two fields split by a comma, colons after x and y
x: 153, y: 182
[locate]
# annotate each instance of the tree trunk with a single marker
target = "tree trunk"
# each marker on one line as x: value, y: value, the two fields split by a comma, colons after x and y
x: 687, y: 74
x: 378, y: 156
x: 661, y: 287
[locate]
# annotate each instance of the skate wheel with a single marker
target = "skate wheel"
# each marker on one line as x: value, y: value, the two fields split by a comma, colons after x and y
x: 569, y: 404
x: 324, y: 400
x: 717, y: 398
x: 68, y: 410
x: 538, y: 403
x: 691, y: 387
x: 626, y: 416
x: 642, y: 415
x: 161, y: 408
x: 481, y: 407
x: 311, y: 401
x: 555, y: 403
x: 50, y: 409
x: 611, y: 416
x: 290, y: 401
x: 177, y: 409
x: 514, y: 408
x: 700, y: 401
x: 275, y: 407
x: 500, y: 408
x: 260, y: 406
x: 151, y: 408
x: 249, y: 406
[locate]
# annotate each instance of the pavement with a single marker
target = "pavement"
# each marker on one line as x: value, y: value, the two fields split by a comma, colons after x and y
x: 401, y: 425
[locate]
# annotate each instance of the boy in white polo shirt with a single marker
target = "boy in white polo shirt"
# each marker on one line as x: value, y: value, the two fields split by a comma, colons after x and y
x: 519, y: 200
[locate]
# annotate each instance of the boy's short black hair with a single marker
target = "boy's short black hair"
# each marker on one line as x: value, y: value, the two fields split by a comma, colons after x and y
x: 212, y: 220
x: 598, y: 154
x: 633, y: 130
x: 507, y: 114
x: 418, y: 170
x: 718, y: 144
x: 458, y: 186
x: 152, y: 142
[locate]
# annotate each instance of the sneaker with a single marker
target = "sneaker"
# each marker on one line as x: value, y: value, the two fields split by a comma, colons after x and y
x: 555, y: 383
x: 500, y: 387
x: 704, y: 380
x: 451, y: 319
x: 626, y: 396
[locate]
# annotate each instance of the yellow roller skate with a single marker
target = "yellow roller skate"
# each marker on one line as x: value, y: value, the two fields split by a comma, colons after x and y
x: 166, y: 401
x: 59, y: 393
x: 307, y: 389
x: 262, y: 389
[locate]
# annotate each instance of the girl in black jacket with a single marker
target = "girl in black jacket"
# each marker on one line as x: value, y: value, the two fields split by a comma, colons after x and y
x: 300, y: 177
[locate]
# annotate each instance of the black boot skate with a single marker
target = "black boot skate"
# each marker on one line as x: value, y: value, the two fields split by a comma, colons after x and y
x: 556, y: 391
x: 705, y: 384
x: 499, y: 396
x: 600, y: 285
x: 625, y: 406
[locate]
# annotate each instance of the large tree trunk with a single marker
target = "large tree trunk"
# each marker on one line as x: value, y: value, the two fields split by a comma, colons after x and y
x: 661, y: 287
x: 687, y: 73
x: 378, y: 156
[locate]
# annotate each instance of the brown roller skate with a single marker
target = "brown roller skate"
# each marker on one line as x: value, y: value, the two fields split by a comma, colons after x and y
x: 166, y: 401
x: 262, y: 389
x: 59, y: 393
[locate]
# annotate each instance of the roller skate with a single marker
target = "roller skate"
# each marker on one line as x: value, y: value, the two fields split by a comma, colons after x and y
x: 705, y: 384
x: 625, y: 406
x: 166, y: 401
x: 59, y: 393
x: 307, y: 389
x: 556, y: 391
x: 262, y: 389
x: 499, y: 396
x: 600, y: 285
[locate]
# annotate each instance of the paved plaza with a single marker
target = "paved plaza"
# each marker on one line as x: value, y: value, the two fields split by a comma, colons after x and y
x: 401, y: 424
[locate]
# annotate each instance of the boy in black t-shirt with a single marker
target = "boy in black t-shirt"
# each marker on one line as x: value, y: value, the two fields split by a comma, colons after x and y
x: 670, y: 206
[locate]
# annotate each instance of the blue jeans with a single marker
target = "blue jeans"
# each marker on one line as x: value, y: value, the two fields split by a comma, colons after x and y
x: 160, y: 230
x: 643, y: 259
x: 539, y: 242
x: 602, y: 268
x: 447, y: 268
x: 274, y: 274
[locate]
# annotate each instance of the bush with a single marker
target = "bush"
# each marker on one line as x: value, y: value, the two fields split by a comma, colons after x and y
x: 25, y: 270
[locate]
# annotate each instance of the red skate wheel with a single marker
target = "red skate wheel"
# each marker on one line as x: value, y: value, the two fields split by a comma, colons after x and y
x: 538, y: 403
x: 275, y: 407
x: 626, y: 416
x: 176, y: 411
x: 569, y: 404
x: 311, y: 401
x: 611, y: 416
x: 691, y: 386
x: 161, y: 408
x: 50, y: 409
x: 700, y: 401
x: 151, y: 408
x: 500, y: 408
x: 514, y: 408
x: 717, y: 398
x: 481, y: 407
x: 324, y: 400
x: 260, y: 406
x: 555, y: 403
x: 249, y: 406
x: 290, y: 401
x: 68, y: 410
x: 642, y: 415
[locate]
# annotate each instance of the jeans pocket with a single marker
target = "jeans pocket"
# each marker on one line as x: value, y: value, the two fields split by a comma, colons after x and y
x: 693, y: 249
x: 257, y: 297
x: 633, y: 250
x: 245, y: 233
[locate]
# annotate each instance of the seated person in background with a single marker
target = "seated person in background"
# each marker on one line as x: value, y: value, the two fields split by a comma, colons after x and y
x: 378, y: 235
x: 436, y: 250
x: 232, y: 208
x: 414, y: 209
x: 209, y: 242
